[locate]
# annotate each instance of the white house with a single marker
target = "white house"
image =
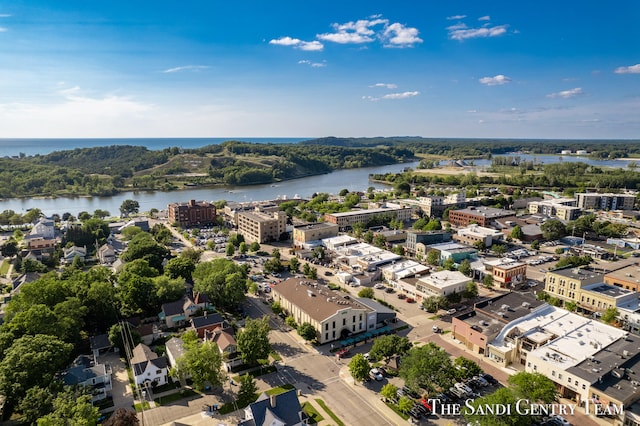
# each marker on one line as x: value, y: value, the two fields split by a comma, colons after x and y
x: 148, y: 367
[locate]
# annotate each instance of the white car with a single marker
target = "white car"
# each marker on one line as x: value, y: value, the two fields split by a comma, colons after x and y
x: 379, y: 286
x: 376, y: 374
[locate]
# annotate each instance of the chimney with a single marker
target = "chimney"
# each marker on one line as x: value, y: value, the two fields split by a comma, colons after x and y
x: 272, y: 400
x: 192, y: 203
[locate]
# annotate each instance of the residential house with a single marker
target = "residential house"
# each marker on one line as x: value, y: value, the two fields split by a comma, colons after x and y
x: 207, y: 322
x: 178, y: 313
x: 95, y: 377
x: 275, y: 410
x: 225, y: 339
x: 44, y: 228
x: 148, y: 367
x: 106, y: 254
x: 174, y: 350
x: 70, y: 253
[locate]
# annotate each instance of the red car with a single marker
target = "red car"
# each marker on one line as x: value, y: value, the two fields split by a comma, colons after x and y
x: 410, y: 300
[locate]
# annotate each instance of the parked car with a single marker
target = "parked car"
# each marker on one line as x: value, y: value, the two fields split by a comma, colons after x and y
x: 489, y: 378
x: 483, y: 382
x: 435, y: 329
x: 389, y: 290
x: 402, y: 296
x: 375, y: 374
x: 379, y: 286
x: 451, y: 311
x: 410, y: 300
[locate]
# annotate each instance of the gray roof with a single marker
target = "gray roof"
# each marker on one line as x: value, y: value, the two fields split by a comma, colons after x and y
x: 100, y: 341
x: 287, y: 409
x: 205, y: 321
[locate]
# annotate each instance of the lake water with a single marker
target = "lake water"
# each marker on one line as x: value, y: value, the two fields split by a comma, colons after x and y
x: 352, y: 179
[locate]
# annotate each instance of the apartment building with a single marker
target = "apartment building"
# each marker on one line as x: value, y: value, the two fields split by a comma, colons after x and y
x: 609, y: 201
x: 262, y: 227
x: 313, y: 232
x: 348, y: 219
x: 483, y: 216
x: 473, y: 234
x: 560, y: 208
x: 192, y: 213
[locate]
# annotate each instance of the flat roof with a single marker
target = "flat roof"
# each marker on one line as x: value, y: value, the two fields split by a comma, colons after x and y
x: 608, y: 290
x: 482, y: 323
x: 505, y: 262
x: 486, y: 211
x: 449, y: 246
x: 445, y: 278
x: 319, y: 302
x: 340, y: 239
x: 366, y: 211
x: 509, y: 306
x: 583, y: 273
x: 629, y: 273
x: 317, y: 225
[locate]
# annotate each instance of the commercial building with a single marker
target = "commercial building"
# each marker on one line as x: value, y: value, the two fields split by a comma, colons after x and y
x: 403, y: 269
x: 192, y: 213
x: 473, y: 234
x: 348, y: 219
x: 483, y: 216
x: 456, y: 251
x: 561, y: 208
x: 442, y: 283
x: 426, y: 238
x: 475, y: 329
x: 262, y: 227
x: 595, y: 201
x: 364, y: 257
x: 333, y: 314
x: 312, y: 233
x: 506, y: 272
x: 435, y: 205
x: 232, y: 208
x: 627, y: 277
x: 566, y: 283
x: 600, y: 297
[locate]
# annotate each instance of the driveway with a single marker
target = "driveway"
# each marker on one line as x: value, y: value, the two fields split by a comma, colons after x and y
x: 122, y: 393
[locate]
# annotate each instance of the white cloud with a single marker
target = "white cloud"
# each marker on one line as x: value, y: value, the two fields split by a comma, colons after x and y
x: 5, y: 15
x: 313, y: 64
x: 353, y: 32
x: 402, y: 95
x: 310, y: 46
x: 495, y: 81
x: 397, y: 35
x: 297, y: 43
x: 566, y: 94
x: 369, y: 30
x: 633, y: 69
x: 484, y: 18
x: 286, y: 41
x: 454, y: 17
x: 460, y: 33
x: 385, y: 85
x: 185, y: 68
x: 3, y: 29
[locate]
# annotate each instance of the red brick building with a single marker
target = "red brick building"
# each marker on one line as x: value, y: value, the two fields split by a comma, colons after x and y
x: 193, y: 213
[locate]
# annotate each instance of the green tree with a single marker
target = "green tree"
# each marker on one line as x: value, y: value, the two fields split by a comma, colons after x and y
x: 553, y: 229
x: 307, y: 331
x: 405, y: 403
x: 499, y: 249
x: 243, y: 247
x: 276, y: 307
x: 222, y: 280
x: 535, y: 245
x: 449, y: 264
x: 254, y: 246
x: 501, y: 397
x: 571, y: 306
x: 465, y: 267
x: 433, y: 257
x: 168, y: 289
x: 465, y: 368
x: 389, y: 392
x: 368, y: 237
x: 71, y: 408
x: 130, y: 231
x: 516, y: 233
x: 231, y: 249
x: 203, y: 362
x: 534, y: 386
x: 161, y: 234
x: 31, y: 361
x: 430, y: 304
x: 428, y: 367
x: 84, y: 216
x: 248, y: 390
x: 380, y: 241
x: 359, y: 367
x: 122, y: 417
x: 611, y: 315
x: 253, y: 340
x: 129, y: 207
x: 384, y: 347
x: 121, y: 333
x: 366, y: 292
x: 143, y: 246
x: 433, y: 225
x: 291, y: 321
x: 37, y: 403
x: 9, y: 249
x: 488, y: 281
x: 294, y: 265
x: 470, y: 291
x: 180, y: 267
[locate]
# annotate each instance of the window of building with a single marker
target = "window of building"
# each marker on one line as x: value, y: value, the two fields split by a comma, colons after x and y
x: 344, y: 321
x: 326, y: 327
x: 333, y: 334
x: 326, y: 336
x: 334, y: 325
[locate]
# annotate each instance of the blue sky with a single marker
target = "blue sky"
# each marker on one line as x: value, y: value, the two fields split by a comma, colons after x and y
x: 500, y: 69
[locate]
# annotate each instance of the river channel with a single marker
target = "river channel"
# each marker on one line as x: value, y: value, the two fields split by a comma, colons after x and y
x: 352, y: 179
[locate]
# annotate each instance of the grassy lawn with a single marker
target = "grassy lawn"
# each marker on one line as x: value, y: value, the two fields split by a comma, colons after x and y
x: 329, y: 412
x: 141, y: 406
x: 168, y: 399
x: 313, y: 414
x: 395, y: 408
x: 257, y: 372
x: 275, y: 356
x: 280, y: 389
x: 4, y: 267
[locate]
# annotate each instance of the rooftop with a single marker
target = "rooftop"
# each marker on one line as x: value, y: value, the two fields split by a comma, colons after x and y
x: 319, y: 302
x: 582, y: 274
x: 367, y: 211
x: 317, y: 225
x: 505, y: 263
x: 629, y: 273
x: 608, y: 290
x: 445, y: 278
x: 489, y: 212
